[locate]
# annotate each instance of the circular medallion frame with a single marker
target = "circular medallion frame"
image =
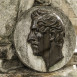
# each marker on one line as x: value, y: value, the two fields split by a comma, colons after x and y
x: 24, y: 50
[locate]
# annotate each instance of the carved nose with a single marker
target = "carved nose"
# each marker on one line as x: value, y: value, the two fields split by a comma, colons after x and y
x: 31, y: 37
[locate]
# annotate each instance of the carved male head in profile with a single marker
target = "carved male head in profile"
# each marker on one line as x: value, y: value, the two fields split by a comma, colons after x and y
x: 46, y: 36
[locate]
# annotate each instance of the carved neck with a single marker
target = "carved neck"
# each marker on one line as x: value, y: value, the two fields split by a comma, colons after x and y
x: 53, y: 55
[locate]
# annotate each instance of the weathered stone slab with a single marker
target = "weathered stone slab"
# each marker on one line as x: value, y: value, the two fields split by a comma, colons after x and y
x: 24, y: 49
x: 8, y: 14
x: 73, y: 4
x: 21, y: 72
x: 24, y: 5
x: 10, y: 11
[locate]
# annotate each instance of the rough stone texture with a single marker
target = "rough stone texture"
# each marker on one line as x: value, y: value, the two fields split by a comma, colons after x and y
x: 69, y: 9
x: 21, y: 72
x: 67, y: 71
x: 24, y: 50
x: 68, y: 6
x: 10, y: 11
x: 24, y: 5
x: 73, y: 4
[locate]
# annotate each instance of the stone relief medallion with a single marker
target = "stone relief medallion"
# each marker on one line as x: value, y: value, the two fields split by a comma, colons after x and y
x: 44, y: 38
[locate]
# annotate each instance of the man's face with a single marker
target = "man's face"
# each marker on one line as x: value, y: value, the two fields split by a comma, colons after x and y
x: 40, y: 41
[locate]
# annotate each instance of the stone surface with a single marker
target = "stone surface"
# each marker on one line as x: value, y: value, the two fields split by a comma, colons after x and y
x: 24, y: 5
x: 67, y: 71
x: 8, y: 14
x: 21, y: 72
x: 10, y: 11
x: 68, y: 6
x: 73, y: 4
x: 24, y: 50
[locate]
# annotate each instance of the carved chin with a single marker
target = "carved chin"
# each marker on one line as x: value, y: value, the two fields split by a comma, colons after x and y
x: 35, y: 52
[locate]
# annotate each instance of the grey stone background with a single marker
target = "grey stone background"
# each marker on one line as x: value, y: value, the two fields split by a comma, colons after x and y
x: 11, y: 10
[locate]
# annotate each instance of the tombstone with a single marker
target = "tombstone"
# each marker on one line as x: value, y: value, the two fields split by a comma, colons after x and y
x: 44, y: 38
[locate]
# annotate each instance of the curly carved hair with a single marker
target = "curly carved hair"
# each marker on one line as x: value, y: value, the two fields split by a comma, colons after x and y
x: 49, y: 22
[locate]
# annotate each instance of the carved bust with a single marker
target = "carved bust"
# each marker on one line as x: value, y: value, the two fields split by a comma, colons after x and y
x: 46, y: 36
